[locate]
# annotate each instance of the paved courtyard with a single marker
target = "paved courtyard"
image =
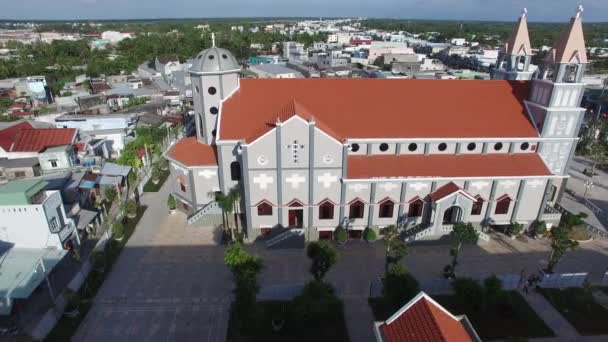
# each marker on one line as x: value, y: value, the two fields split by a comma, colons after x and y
x: 169, y: 284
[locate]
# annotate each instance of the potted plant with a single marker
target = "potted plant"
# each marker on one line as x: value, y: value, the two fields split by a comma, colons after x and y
x: 341, y: 235
x: 72, y: 300
x: 538, y: 228
x: 369, y: 234
x: 515, y: 229
x: 171, y: 203
x: 164, y: 164
x: 131, y: 208
x: 118, y: 230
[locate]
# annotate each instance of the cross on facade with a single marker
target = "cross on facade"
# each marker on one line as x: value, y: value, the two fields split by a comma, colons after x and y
x: 357, y: 187
x: 295, y: 180
x: 389, y: 186
x: 536, y: 183
x: 508, y: 184
x: 419, y: 186
x: 295, y: 147
x: 263, y: 180
x: 480, y: 185
x: 207, y: 174
x: 327, y: 179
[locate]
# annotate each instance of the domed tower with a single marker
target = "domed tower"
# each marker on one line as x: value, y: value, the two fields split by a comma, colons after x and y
x: 214, y: 75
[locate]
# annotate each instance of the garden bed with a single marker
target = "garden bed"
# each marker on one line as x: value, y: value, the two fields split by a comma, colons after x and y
x: 578, y: 306
x: 66, y: 326
x: 515, y: 319
x: 260, y: 327
x: 151, y: 187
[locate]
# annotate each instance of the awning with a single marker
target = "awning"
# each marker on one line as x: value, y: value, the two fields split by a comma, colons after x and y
x: 23, y: 269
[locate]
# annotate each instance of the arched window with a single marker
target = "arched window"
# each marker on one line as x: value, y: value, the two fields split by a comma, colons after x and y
x: 326, y: 211
x: 356, y: 210
x: 502, y: 205
x: 415, y: 208
x: 235, y: 171
x: 386, y: 209
x: 264, y: 209
x: 477, y: 206
x: 570, y: 73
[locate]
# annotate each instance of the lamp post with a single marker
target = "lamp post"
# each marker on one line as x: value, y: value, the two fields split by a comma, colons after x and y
x: 588, y: 185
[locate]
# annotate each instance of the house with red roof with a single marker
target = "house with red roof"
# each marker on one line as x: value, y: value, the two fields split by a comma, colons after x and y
x: 52, y: 146
x: 424, y: 320
x: 313, y: 154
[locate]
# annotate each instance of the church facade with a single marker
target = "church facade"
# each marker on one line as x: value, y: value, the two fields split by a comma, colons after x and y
x: 313, y: 154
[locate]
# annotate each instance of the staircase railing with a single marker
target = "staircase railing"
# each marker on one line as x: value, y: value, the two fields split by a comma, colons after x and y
x: 202, y: 212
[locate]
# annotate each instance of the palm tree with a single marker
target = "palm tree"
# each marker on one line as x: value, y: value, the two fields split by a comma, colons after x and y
x: 227, y: 205
x: 235, y: 195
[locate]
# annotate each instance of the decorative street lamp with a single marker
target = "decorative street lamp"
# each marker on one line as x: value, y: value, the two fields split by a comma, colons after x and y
x: 588, y: 185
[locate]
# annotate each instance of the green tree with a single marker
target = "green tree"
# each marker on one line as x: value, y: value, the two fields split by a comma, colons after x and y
x: 399, y: 286
x: 227, y: 205
x: 395, y: 247
x: 469, y: 293
x: 598, y: 153
x: 245, y: 269
x: 111, y: 194
x: 493, y: 290
x: 316, y: 305
x: 131, y: 208
x: 462, y: 233
x: 323, y: 257
x: 234, y: 195
x: 560, y: 245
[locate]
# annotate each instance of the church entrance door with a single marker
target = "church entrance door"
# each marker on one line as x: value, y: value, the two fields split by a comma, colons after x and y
x: 296, y: 217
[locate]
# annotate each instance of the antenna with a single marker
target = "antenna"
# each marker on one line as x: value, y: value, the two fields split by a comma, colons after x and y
x: 213, y: 38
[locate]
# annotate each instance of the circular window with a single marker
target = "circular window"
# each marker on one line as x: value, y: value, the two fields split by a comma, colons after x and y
x: 442, y: 147
x: 213, y: 110
x: 214, y: 132
x: 212, y: 90
x: 328, y: 159
x: 354, y: 147
x: 262, y: 160
x: 524, y: 146
x: 498, y: 146
x: 211, y: 57
x: 384, y: 147
x: 471, y: 146
x: 197, y: 90
x: 412, y: 147
x: 224, y: 56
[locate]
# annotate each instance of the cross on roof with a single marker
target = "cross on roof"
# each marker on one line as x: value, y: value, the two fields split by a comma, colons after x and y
x: 213, y: 38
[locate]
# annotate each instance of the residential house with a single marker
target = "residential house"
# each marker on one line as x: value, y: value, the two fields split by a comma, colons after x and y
x: 274, y: 71
x: 11, y: 169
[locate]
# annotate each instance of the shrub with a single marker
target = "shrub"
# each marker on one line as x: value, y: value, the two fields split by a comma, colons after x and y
x: 156, y: 173
x: 469, y: 293
x: 538, y: 228
x: 369, y: 234
x: 516, y: 228
x: 118, y: 230
x: 131, y: 208
x: 171, y: 202
x: 341, y: 234
x: 579, y: 233
x: 399, y: 285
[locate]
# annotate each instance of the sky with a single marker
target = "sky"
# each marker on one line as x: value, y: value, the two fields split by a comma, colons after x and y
x: 507, y: 10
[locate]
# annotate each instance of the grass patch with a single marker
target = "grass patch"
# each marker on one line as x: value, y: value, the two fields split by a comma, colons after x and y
x: 260, y: 326
x: 66, y: 326
x: 512, y: 318
x: 579, y: 307
x: 151, y: 187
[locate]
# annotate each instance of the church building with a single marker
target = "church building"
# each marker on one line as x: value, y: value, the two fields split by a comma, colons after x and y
x: 314, y: 154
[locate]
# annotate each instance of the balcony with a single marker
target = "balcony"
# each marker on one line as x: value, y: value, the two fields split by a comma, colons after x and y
x: 67, y: 230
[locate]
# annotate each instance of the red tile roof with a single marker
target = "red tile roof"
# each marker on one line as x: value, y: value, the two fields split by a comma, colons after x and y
x: 463, y: 165
x: 423, y: 320
x: 7, y: 135
x: 191, y: 152
x: 36, y: 140
x: 445, y: 191
x: 382, y: 108
x: 22, y: 113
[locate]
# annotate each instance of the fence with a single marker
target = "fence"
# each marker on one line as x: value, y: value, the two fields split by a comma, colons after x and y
x: 562, y: 280
x: 595, y: 232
